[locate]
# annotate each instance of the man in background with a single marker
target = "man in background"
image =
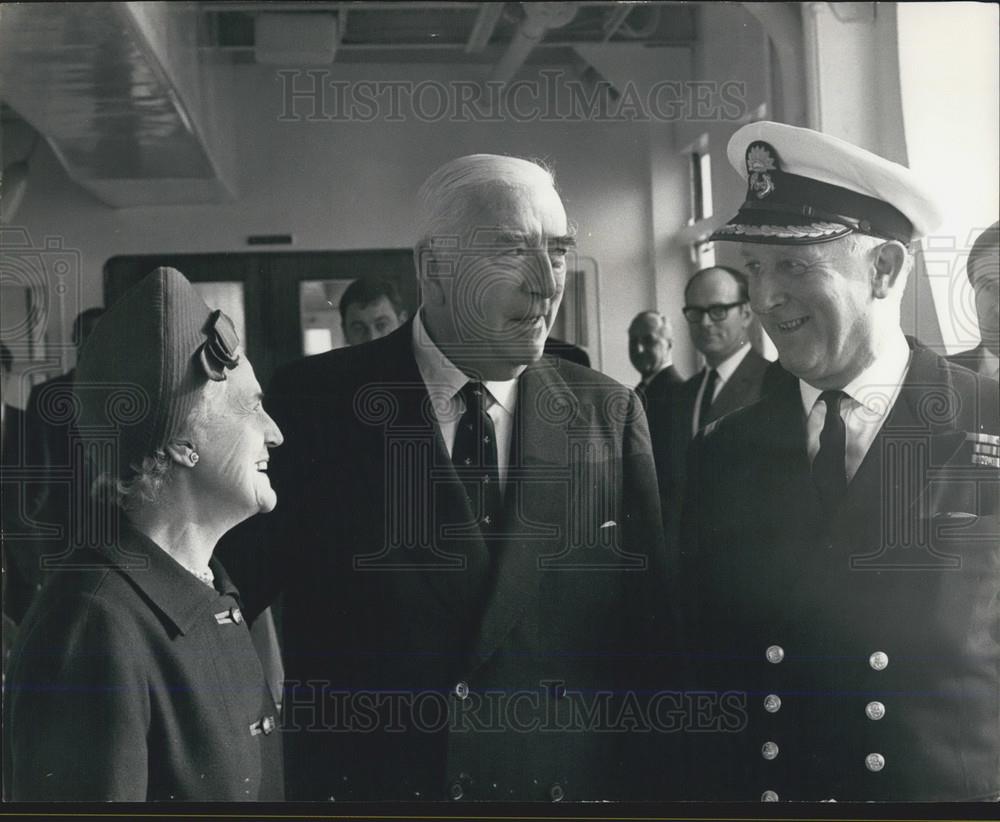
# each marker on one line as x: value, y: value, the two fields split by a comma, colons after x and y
x: 717, y: 311
x: 49, y: 430
x: 983, y: 271
x: 370, y: 309
x: 650, y: 344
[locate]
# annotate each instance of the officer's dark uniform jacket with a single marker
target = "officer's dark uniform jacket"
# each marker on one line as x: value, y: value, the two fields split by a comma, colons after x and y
x: 137, y: 682
x: 868, y: 648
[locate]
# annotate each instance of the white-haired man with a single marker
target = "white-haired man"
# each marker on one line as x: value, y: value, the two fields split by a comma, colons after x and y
x: 473, y: 558
x: 841, y: 533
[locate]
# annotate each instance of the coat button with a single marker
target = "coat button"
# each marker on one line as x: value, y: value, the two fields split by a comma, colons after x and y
x: 772, y: 703
x: 462, y: 690
x: 875, y: 762
x: 769, y: 796
x: 556, y: 792
x: 875, y: 710
x: 769, y: 750
x: 456, y: 791
x: 267, y: 724
x: 775, y: 653
x: 236, y: 614
x: 879, y: 661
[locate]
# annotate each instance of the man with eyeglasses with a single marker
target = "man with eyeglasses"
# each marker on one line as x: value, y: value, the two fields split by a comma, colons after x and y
x: 717, y: 310
x: 840, y: 535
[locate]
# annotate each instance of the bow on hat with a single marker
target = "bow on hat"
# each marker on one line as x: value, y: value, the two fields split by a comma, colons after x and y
x: 218, y: 352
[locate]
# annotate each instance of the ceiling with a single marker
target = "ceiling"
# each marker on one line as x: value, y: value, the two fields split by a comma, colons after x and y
x: 452, y: 32
x: 117, y: 89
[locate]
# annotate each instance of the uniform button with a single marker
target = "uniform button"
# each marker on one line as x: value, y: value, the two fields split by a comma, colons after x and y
x: 236, y: 614
x: 875, y: 762
x: 879, y: 661
x: 462, y: 690
x: 769, y: 796
x: 769, y: 750
x: 772, y: 703
x: 267, y: 724
x: 556, y: 792
x: 775, y: 653
x: 875, y: 710
x: 456, y: 791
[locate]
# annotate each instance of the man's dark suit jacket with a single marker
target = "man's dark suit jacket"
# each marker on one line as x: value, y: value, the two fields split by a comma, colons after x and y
x: 786, y: 602
x: 672, y: 430
x: 971, y: 359
x: 567, y: 351
x: 660, y: 388
x: 657, y: 398
x: 44, y: 521
x: 15, y: 509
x: 430, y: 663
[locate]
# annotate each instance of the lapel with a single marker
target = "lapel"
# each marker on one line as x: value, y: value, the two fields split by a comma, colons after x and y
x: 742, y: 388
x: 535, y: 521
x: 424, y: 504
x: 787, y: 442
x: 920, y: 434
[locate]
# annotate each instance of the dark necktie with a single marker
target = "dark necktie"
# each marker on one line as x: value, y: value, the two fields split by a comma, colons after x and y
x: 706, y: 398
x: 829, y: 470
x: 474, y: 455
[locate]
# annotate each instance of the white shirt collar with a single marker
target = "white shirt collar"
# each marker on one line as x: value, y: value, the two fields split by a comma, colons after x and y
x: 728, y: 366
x: 444, y: 379
x: 989, y: 365
x: 877, y: 386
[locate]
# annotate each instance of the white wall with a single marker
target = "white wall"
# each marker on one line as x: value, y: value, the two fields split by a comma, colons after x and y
x: 350, y: 185
x: 732, y: 46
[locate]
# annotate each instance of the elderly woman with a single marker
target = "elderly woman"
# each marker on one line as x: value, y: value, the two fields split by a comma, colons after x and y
x: 134, y: 676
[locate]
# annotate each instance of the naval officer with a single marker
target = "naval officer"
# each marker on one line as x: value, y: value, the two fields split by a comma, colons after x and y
x: 842, y: 536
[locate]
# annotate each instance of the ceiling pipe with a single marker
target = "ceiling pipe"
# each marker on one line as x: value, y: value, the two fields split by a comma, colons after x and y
x: 538, y: 19
x: 486, y: 22
x: 615, y: 20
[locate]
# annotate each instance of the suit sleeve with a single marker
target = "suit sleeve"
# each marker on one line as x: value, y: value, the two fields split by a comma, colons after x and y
x: 79, y: 709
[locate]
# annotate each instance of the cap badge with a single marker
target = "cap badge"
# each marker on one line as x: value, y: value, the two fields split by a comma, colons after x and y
x: 219, y: 351
x: 760, y: 161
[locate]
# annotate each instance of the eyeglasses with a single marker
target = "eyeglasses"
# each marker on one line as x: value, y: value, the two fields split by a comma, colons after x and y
x: 716, y: 312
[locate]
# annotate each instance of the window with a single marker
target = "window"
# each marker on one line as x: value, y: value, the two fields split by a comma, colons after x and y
x: 700, y: 165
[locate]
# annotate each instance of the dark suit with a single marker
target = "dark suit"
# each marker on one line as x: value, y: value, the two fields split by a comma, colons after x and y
x: 660, y: 388
x: 672, y: 430
x: 567, y: 351
x: 787, y: 603
x: 430, y: 643
x: 657, y: 398
x: 43, y: 528
x: 18, y: 581
x: 971, y: 359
